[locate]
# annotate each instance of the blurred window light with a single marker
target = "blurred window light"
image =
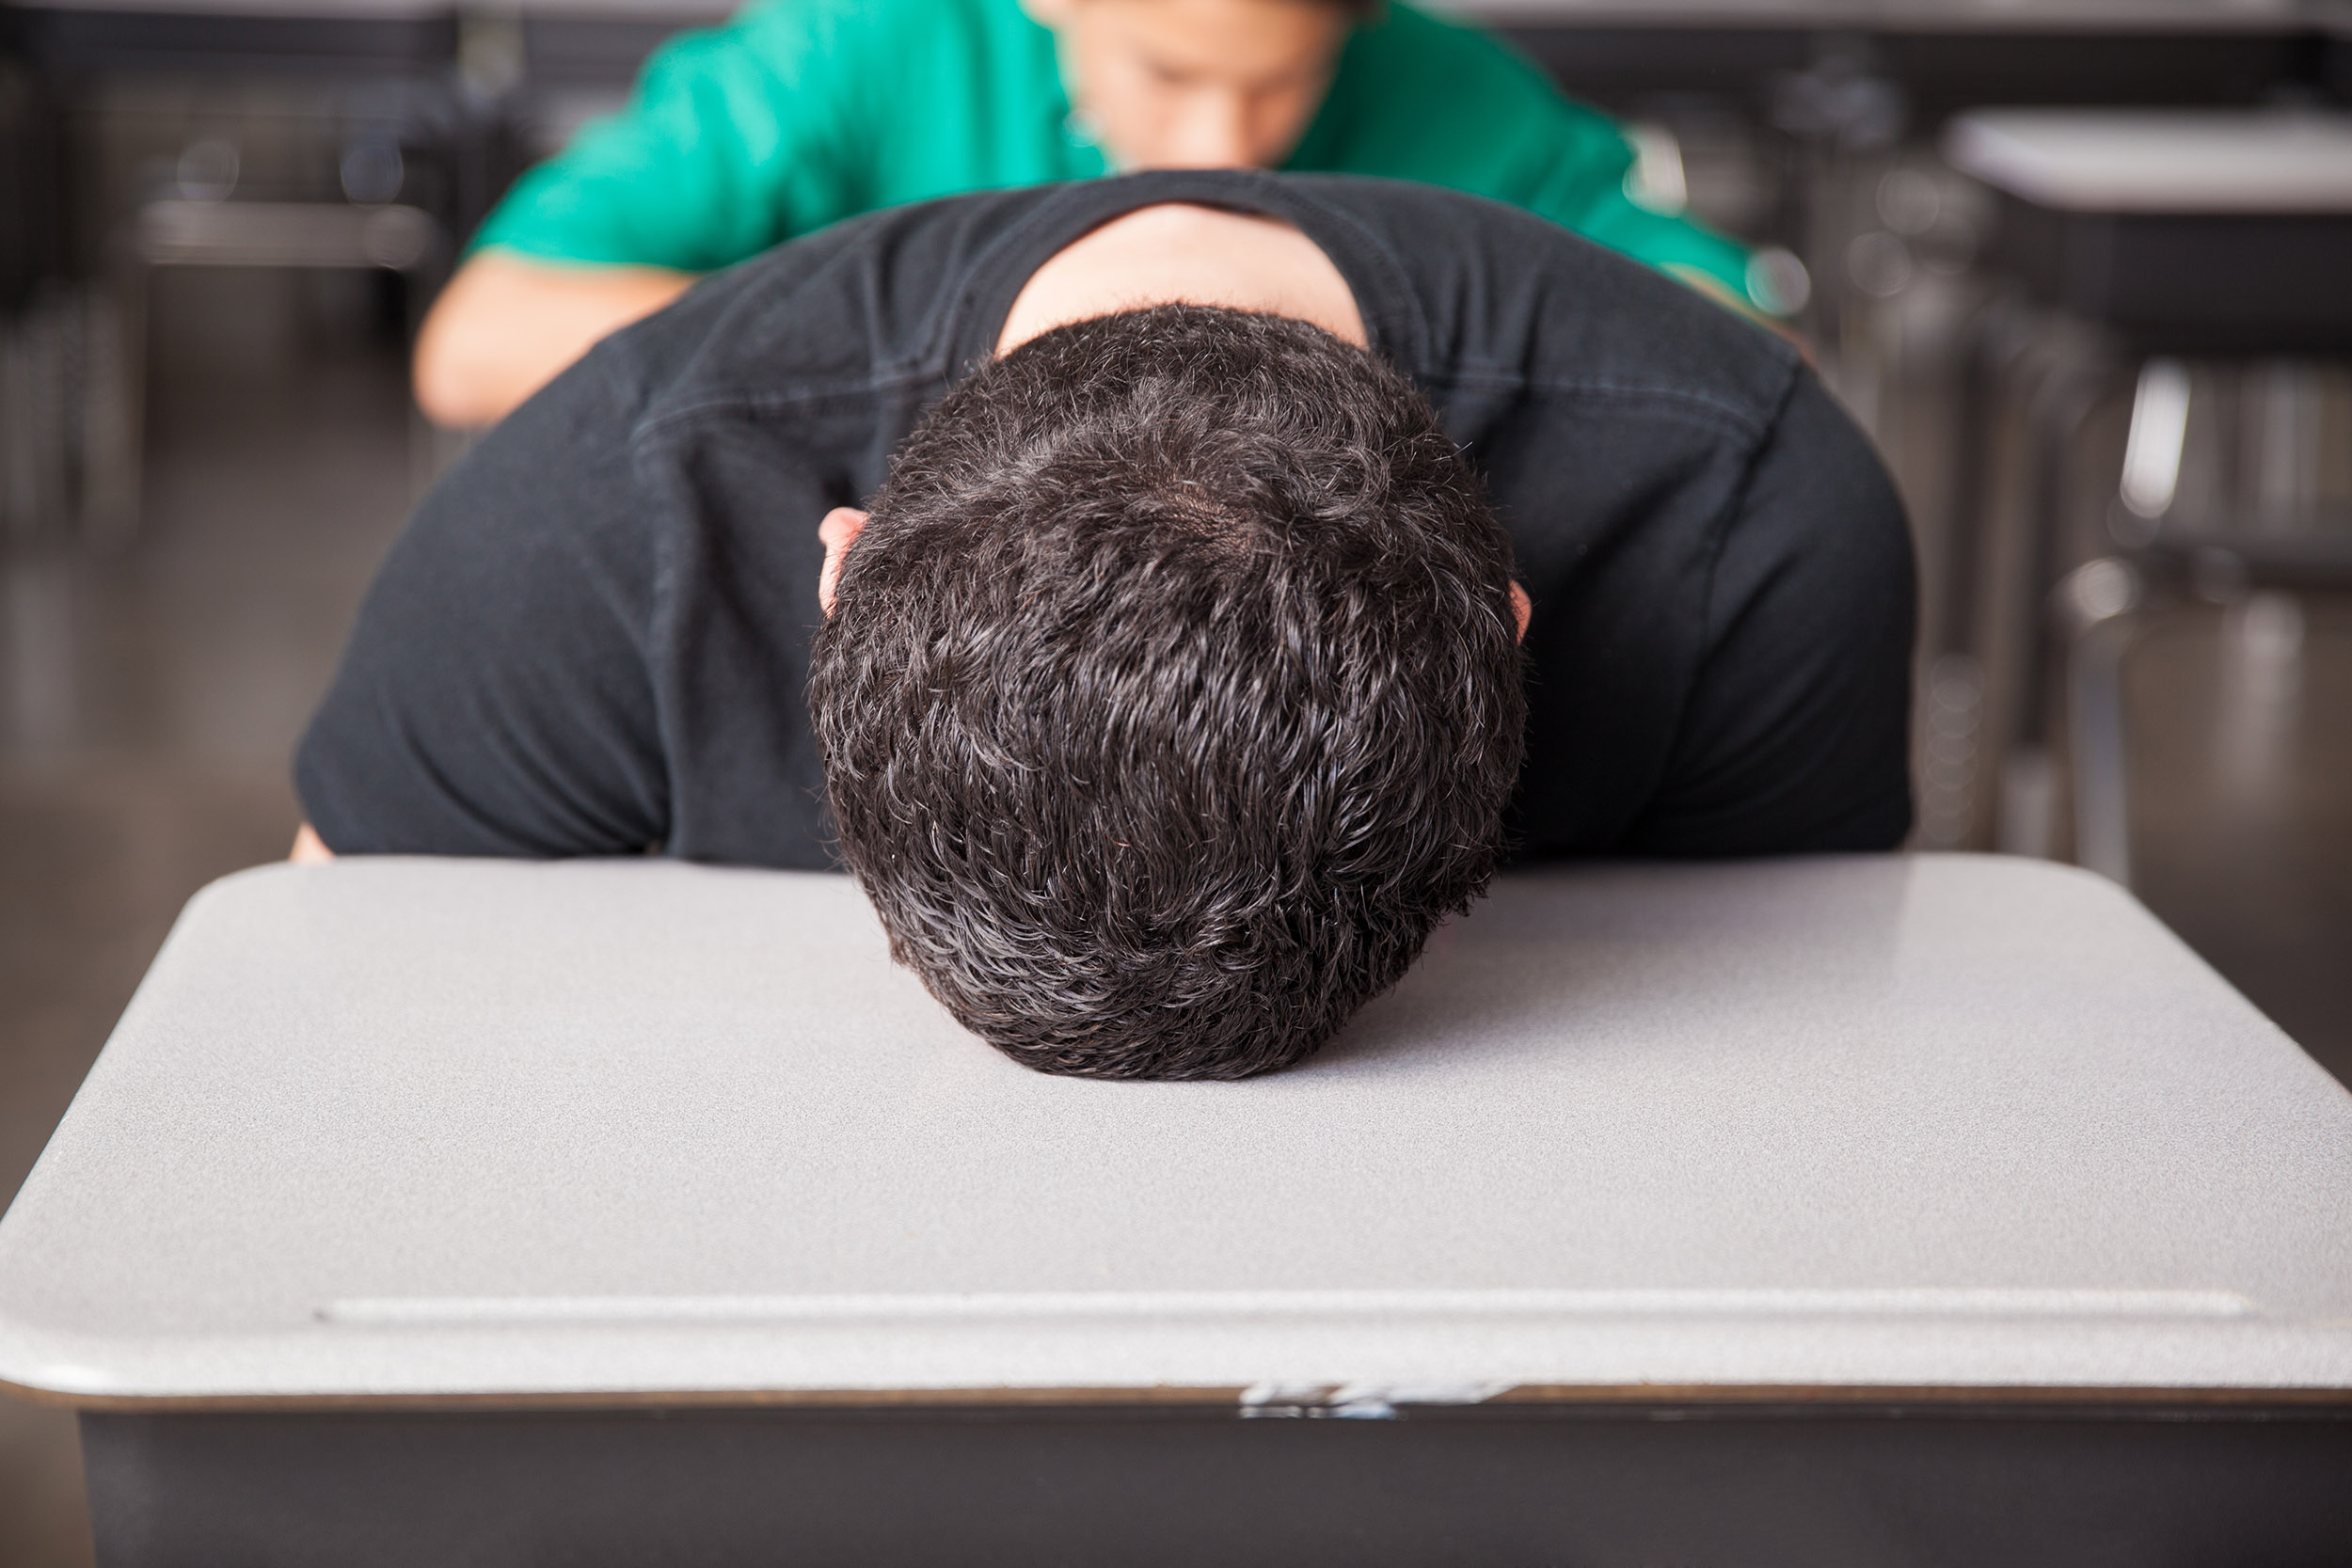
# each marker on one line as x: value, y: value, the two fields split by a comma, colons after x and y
x: 2270, y: 632
x: 1778, y: 282
x: 373, y: 172
x: 2101, y: 589
x: 207, y: 169
x: 2286, y: 425
x: 1909, y: 201
x: 1656, y: 183
x: 2261, y: 719
x: 2152, y: 454
x: 1878, y: 264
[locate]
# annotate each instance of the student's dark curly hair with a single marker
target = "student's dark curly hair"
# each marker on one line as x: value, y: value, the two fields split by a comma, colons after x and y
x: 1173, y: 694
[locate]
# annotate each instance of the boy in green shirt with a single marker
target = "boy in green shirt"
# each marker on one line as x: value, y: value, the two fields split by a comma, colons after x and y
x: 803, y: 111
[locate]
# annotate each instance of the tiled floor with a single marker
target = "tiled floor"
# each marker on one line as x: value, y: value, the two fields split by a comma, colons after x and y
x: 148, y: 704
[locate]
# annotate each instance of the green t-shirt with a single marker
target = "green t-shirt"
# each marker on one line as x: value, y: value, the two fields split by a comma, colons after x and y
x: 799, y: 113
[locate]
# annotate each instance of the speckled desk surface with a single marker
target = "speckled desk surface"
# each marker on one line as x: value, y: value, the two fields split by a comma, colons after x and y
x: 489, y: 1131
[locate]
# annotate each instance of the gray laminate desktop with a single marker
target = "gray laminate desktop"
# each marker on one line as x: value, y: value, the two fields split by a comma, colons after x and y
x: 391, y: 1136
x: 2212, y: 162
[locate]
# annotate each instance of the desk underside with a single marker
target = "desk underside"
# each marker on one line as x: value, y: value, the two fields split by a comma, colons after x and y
x: 1757, y: 1484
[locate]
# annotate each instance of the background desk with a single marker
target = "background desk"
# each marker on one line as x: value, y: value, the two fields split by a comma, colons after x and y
x: 1948, y: 52
x: 1834, y: 1211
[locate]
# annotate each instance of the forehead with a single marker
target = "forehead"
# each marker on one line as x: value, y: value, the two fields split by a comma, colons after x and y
x: 1239, y: 36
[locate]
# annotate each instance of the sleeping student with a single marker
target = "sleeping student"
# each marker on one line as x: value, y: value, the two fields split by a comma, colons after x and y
x: 1170, y: 596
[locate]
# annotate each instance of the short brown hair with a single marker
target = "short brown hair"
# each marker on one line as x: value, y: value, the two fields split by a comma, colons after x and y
x: 1172, y: 693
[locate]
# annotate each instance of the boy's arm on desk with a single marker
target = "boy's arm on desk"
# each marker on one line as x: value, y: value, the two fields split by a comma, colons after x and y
x: 308, y: 848
x: 508, y: 322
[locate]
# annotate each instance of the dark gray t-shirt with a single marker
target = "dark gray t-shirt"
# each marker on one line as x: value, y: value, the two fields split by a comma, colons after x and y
x: 593, y: 636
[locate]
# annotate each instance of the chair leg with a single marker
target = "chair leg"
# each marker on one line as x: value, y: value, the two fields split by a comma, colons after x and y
x: 2061, y: 384
x: 2098, y: 600
x: 114, y: 415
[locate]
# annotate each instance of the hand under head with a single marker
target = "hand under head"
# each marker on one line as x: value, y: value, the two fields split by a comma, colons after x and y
x: 838, y: 533
x: 1170, y: 694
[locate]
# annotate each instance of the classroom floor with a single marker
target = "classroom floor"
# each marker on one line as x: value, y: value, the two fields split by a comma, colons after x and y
x: 148, y: 701
x: 148, y: 704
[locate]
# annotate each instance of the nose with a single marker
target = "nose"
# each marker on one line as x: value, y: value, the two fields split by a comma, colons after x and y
x: 1214, y: 130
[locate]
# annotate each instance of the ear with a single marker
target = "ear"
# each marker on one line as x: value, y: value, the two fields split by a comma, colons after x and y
x: 838, y: 531
x: 1522, y: 608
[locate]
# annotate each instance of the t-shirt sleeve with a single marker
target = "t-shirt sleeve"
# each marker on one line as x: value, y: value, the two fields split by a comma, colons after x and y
x: 734, y: 140
x: 494, y: 698
x: 1795, y: 737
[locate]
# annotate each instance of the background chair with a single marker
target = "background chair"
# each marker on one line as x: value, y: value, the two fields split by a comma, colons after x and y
x: 2194, y: 256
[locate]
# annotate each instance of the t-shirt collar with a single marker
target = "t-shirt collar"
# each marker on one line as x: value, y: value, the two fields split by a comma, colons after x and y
x: 1393, y: 320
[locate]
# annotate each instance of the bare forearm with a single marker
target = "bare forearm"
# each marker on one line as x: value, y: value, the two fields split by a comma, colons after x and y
x: 507, y: 324
x: 308, y: 848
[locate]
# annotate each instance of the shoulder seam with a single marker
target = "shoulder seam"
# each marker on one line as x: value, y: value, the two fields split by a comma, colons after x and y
x: 1714, y: 410
x: 654, y: 425
x: 1718, y: 535
x: 1719, y: 531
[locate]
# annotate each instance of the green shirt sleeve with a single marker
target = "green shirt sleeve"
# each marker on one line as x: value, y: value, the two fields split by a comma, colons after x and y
x: 733, y: 140
x: 1420, y: 98
x: 798, y: 113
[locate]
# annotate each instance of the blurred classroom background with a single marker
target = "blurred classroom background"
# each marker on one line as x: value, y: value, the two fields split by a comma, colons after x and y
x: 2084, y: 267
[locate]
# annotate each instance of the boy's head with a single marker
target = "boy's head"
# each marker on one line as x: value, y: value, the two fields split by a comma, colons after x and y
x: 1199, y: 83
x: 1171, y: 694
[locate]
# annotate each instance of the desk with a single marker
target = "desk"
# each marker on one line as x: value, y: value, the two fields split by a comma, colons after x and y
x: 2220, y: 231
x: 1960, y: 52
x: 2150, y: 235
x: 604, y: 1212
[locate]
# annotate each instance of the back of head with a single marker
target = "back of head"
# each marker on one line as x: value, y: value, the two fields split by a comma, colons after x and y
x: 1172, y: 696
